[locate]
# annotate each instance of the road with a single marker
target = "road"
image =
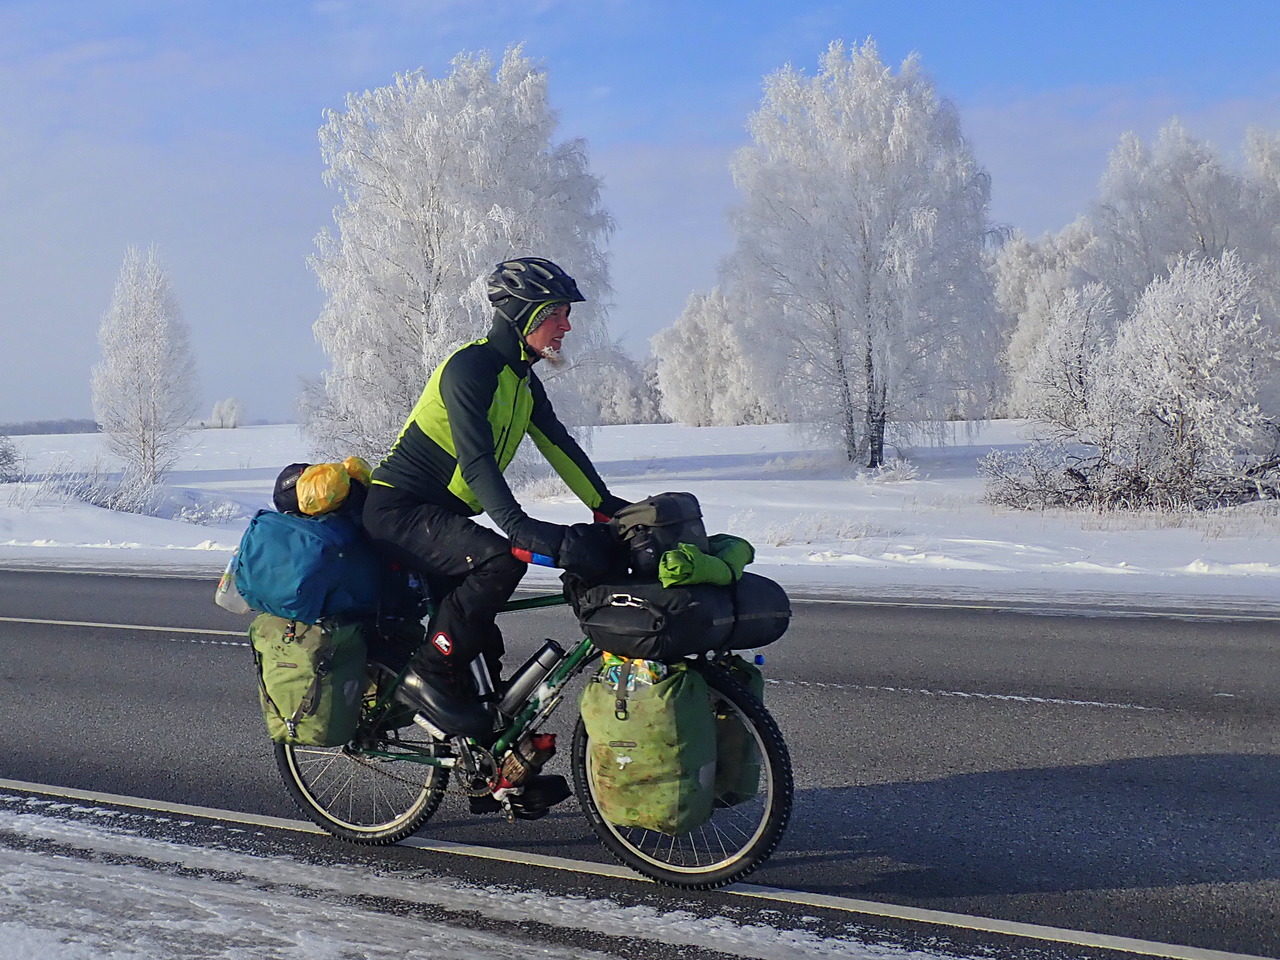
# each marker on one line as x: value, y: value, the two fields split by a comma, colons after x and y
x: 1119, y: 775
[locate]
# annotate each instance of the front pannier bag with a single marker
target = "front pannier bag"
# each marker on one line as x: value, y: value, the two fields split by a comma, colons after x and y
x: 311, y: 678
x: 737, y: 756
x: 645, y: 620
x: 653, y: 748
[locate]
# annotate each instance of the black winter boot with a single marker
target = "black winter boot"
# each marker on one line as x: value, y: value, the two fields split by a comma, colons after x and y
x: 448, y: 701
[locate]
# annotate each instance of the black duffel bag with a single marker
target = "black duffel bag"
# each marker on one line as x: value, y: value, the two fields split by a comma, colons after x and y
x: 644, y: 620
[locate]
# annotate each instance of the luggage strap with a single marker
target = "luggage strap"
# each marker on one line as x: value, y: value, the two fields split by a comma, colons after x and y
x: 620, y: 691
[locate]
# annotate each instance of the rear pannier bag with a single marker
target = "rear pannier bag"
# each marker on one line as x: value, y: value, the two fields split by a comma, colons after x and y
x: 647, y: 621
x: 737, y: 756
x: 307, y: 568
x: 311, y: 679
x: 652, y: 751
x: 652, y: 527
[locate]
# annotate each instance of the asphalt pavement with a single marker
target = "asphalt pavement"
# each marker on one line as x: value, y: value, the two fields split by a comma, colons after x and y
x: 1112, y: 774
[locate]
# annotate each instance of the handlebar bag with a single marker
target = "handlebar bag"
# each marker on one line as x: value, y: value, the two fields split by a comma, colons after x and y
x: 652, y: 527
x: 307, y: 568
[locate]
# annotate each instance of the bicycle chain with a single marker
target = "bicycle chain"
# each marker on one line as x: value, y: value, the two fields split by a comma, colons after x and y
x: 377, y: 766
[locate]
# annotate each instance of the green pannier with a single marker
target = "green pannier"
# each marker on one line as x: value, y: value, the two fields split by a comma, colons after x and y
x: 737, y: 756
x: 653, y: 751
x: 311, y: 679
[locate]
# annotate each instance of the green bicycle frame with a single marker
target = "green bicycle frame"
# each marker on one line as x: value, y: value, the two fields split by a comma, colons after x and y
x: 533, y: 709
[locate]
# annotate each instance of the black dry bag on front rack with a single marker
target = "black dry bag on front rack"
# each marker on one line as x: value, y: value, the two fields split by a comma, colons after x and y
x: 651, y: 527
x: 643, y: 620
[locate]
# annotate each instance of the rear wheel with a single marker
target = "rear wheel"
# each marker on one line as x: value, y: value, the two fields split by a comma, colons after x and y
x: 373, y: 790
x: 737, y: 838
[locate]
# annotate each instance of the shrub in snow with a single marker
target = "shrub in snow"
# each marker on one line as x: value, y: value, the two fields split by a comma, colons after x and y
x: 439, y: 180
x: 894, y: 470
x: 144, y: 387
x: 1178, y: 413
x: 10, y: 461
x: 859, y: 252
x: 213, y: 513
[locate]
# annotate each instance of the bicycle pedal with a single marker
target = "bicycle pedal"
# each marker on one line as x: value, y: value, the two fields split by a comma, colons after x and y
x: 485, y: 804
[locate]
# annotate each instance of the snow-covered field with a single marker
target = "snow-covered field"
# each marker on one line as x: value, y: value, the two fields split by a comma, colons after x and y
x: 817, y: 525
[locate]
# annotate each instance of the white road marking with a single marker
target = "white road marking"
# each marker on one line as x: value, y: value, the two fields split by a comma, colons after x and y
x: 1075, y: 938
x: 145, y: 627
x: 1059, y: 610
x: 1016, y: 698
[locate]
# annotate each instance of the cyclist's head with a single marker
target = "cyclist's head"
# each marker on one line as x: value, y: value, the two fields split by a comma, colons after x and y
x: 524, y: 290
x: 531, y: 280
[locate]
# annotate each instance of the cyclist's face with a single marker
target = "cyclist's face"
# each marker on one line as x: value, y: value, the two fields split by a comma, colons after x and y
x: 550, y: 332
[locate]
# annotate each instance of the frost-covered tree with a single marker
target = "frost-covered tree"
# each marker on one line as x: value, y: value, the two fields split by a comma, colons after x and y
x: 144, y: 386
x: 226, y: 414
x: 1187, y: 376
x: 1159, y: 203
x: 440, y: 178
x: 1262, y: 168
x: 1177, y: 413
x: 1031, y: 277
x: 617, y: 389
x: 704, y: 376
x: 1060, y: 376
x: 1156, y: 203
x: 859, y: 247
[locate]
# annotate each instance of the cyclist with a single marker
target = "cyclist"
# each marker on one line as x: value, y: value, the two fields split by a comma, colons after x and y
x: 446, y: 466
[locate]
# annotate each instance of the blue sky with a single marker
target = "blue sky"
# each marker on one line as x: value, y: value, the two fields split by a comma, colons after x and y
x: 192, y: 125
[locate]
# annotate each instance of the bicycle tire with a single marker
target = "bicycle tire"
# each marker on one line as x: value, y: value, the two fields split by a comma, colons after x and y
x: 361, y: 798
x: 689, y: 860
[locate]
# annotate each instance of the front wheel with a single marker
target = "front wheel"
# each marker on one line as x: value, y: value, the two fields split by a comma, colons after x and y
x: 739, y: 836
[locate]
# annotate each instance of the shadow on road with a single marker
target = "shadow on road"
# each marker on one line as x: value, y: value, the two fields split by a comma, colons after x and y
x: 1146, y: 822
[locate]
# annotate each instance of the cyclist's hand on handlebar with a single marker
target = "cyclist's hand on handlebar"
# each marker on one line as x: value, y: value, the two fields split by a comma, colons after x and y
x: 589, y: 548
x: 534, y: 539
x: 609, y: 506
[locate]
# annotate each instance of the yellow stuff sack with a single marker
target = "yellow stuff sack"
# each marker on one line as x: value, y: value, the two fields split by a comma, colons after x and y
x: 323, y: 487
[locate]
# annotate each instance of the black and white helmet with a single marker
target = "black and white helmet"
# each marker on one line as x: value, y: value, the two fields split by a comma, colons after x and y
x: 533, y: 280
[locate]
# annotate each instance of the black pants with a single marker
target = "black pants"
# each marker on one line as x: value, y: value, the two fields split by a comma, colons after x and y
x: 469, y: 569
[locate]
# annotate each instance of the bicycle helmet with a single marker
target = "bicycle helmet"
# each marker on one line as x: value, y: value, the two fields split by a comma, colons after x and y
x: 532, y: 280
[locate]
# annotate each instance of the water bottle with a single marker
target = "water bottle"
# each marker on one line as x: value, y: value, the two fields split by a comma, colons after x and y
x: 525, y: 680
x: 227, y: 596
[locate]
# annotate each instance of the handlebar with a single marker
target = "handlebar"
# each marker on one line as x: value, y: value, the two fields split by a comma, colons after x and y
x: 528, y: 556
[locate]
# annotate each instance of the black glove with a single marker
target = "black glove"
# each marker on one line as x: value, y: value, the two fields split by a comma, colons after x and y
x: 538, y: 536
x: 609, y: 506
x: 591, y: 550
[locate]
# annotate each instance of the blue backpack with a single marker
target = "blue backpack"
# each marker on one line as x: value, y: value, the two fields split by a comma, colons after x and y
x: 307, y: 568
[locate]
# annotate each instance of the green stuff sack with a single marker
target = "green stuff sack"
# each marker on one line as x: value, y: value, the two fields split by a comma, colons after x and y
x: 652, y: 751
x: 737, y: 756
x: 311, y: 678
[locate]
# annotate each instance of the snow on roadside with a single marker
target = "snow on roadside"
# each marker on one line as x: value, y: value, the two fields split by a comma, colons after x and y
x: 175, y: 900
x: 817, y: 524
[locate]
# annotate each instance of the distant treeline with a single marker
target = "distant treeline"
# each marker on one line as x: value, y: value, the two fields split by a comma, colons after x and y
x: 33, y: 427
